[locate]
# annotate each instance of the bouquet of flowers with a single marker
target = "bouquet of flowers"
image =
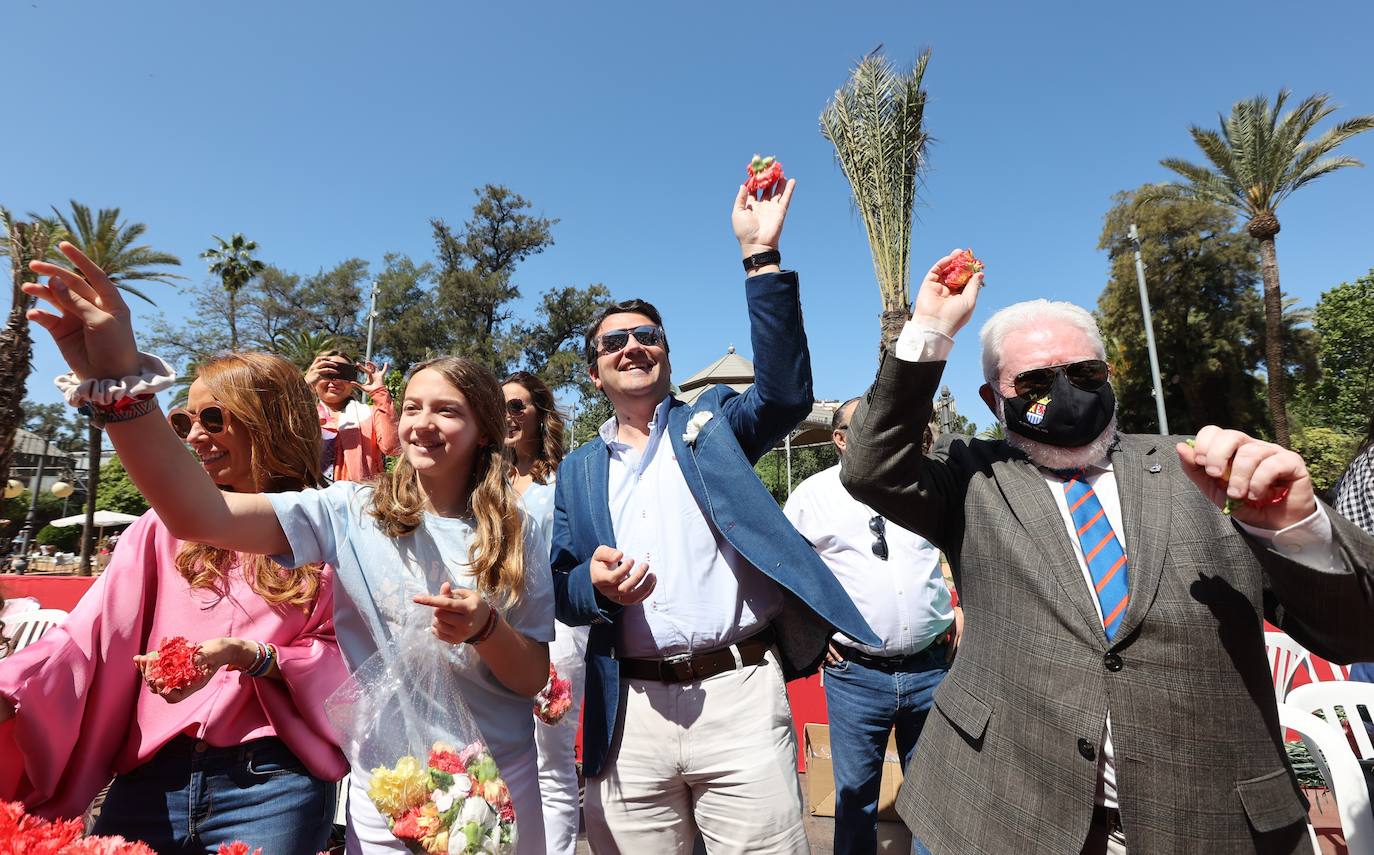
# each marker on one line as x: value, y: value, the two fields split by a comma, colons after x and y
x: 401, y: 715
x: 555, y: 699
x: 22, y: 834
x: 453, y: 802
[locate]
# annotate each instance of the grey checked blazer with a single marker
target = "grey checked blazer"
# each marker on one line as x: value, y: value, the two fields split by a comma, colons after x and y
x: 1008, y: 764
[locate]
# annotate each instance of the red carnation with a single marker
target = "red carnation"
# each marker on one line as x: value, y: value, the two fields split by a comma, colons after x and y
x: 957, y: 273
x: 408, y: 826
x: 238, y: 847
x: 176, y: 667
x: 763, y: 173
x: 446, y: 761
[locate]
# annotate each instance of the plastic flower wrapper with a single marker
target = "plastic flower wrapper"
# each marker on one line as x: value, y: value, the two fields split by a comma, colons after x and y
x: 555, y: 699
x: 408, y: 731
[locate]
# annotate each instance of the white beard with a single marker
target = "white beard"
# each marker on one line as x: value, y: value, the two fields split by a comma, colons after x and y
x: 1048, y: 456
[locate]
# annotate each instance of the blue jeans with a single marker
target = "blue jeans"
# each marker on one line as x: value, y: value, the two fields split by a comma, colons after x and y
x: 191, y: 797
x: 864, y: 705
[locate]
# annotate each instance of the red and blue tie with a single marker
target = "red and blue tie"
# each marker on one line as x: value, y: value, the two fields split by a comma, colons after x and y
x: 1102, y: 550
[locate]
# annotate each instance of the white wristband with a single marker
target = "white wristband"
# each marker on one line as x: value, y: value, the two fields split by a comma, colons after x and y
x: 154, y: 376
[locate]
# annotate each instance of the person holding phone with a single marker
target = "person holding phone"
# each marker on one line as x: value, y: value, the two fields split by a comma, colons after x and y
x: 356, y: 435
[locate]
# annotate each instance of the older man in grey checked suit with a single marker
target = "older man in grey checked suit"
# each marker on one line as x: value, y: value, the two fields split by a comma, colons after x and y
x: 1111, y: 692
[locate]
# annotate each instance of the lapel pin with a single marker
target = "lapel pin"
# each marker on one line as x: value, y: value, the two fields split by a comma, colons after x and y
x: 1155, y: 468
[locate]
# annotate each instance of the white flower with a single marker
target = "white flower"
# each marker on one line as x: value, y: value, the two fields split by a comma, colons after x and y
x: 444, y: 799
x: 478, y: 811
x: 695, y: 424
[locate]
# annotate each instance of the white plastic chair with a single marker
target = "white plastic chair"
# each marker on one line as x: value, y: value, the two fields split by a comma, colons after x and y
x: 1285, y: 656
x: 27, y: 627
x: 1352, y: 697
x: 1342, y: 773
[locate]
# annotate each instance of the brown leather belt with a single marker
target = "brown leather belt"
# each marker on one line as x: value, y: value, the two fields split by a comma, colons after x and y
x: 690, y: 667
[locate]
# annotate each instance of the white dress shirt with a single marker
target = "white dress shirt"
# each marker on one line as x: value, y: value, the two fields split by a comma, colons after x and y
x: 707, y: 595
x: 904, y: 599
x: 1308, y: 542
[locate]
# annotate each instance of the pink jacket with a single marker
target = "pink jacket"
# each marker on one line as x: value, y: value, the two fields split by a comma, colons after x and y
x: 84, y: 713
x: 359, y: 449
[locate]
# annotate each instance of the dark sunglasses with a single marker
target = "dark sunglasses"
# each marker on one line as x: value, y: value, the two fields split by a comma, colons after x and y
x: 878, y: 526
x: 614, y: 341
x: 211, y: 420
x: 516, y: 407
x: 1088, y: 375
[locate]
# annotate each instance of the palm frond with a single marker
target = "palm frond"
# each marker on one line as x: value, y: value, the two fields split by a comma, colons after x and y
x: 876, y: 122
x: 111, y: 244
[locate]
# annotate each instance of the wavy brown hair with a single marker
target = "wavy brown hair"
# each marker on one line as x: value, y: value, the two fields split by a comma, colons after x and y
x: 267, y: 396
x: 550, y: 451
x: 496, y: 557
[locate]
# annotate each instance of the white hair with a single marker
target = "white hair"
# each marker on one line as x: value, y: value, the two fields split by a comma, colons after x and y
x: 1027, y: 314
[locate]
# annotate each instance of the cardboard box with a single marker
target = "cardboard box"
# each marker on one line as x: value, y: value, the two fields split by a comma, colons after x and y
x: 820, y: 775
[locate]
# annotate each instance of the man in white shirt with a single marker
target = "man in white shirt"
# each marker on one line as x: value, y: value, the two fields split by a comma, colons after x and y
x: 1112, y: 692
x: 894, y: 578
x: 686, y: 726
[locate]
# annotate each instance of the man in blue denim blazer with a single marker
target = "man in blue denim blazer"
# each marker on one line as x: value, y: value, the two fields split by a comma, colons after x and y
x: 686, y: 725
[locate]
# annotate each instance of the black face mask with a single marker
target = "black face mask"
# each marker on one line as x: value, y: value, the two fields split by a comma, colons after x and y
x: 1067, y: 417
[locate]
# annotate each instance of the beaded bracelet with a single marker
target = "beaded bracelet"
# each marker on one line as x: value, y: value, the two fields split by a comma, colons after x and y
x: 267, y: 660
x: 487, y: 628
x: 257, y: 659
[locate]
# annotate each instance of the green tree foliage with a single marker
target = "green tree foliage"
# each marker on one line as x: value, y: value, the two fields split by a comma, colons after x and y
x: 1342, y: 399
x: 1257, y: 159
x: 57, y: 422
x: 806, y: 461
x: 1326, y: 452
x: 16, y: 510
x: 1208, y: 318
x: 66, y: 538
x: 117, y: 491
x: 233, y: 262
x: 23, y: 242
x: 408, y: 329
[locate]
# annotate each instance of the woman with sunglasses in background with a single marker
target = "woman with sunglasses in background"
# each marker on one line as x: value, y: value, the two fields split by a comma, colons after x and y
x: 534, y: 448
x: 245, y: 751
x: 357, y: 437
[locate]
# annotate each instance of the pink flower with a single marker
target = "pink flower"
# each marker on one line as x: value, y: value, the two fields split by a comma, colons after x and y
x: 238, y: 847
x: 554, y: 700
x: 176, y: 665
x: 446, y: 761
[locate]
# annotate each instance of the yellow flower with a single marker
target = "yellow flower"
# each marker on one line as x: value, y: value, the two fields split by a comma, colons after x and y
x: 394, y: 791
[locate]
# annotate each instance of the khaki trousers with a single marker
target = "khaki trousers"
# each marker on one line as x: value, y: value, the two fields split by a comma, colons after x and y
x: 717, y: 756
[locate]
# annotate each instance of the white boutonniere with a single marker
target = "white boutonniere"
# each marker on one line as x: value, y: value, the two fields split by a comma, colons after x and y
x: 694, y: 426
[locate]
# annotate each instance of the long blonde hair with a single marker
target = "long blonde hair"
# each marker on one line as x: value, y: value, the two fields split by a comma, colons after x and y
x: 267, y: 396
x: 496, y: 557
x: 550, y: 446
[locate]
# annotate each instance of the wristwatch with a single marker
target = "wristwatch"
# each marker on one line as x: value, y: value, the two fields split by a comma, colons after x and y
x: 762, y: 259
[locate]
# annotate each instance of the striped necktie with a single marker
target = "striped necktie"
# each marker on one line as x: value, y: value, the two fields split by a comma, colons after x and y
x: 1103, y: 552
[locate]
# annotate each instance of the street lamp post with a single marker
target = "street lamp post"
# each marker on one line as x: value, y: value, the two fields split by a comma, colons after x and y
x: 1149, y: 332
x: 371, y: 316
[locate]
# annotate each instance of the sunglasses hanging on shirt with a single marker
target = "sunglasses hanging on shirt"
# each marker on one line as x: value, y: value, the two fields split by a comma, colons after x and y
x: 878, y: 526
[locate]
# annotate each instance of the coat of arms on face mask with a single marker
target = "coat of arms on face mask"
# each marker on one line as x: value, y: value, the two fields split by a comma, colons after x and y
x: 1035, y: 413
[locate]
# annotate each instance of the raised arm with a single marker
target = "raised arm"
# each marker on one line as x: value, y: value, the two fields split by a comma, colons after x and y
x: 92, y: 328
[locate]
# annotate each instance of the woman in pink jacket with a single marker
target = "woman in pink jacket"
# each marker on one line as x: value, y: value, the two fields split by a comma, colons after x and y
x: 358, y: 437
x: 243, y: 753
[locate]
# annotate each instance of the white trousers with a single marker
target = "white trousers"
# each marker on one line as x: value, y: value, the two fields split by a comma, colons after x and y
x: 557, y: 743
x: 368, y: 833
x: 717, y: 756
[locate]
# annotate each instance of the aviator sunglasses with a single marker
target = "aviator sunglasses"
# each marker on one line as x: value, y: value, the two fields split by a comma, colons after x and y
x: 614, y: 341
x: 1088, y: 375
x: 878, y: 526
x: 211, y: 419
x: 516, y: 407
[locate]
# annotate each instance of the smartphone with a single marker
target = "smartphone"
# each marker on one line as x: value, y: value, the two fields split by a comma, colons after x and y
x: 341, y: 371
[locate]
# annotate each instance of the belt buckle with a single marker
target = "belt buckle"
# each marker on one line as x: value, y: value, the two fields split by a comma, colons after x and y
x: 672, y: 662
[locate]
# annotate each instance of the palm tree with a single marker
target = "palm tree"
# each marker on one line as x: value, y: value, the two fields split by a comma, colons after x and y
x: 233, y: 262
x: 1258, y: 158
x: 23, y: 242
x: 876, y: 122
x: 110, y: 244
x: 301, y: 347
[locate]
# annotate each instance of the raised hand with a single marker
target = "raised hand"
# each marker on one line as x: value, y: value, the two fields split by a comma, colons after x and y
x: 617, y: 579
x: 459, y: 613
x: 1269, y: 481
x: 944, y: 308
x: 92, y: 326
x: 758, y: 222
x: 372, y: 378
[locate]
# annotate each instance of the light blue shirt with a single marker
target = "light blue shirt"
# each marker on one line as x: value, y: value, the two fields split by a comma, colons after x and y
x: 377, y: 576
x: 707, y: 595
x: 538, y: 502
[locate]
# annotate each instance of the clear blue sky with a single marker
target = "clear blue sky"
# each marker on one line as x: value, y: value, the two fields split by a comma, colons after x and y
x: 326, y: 130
